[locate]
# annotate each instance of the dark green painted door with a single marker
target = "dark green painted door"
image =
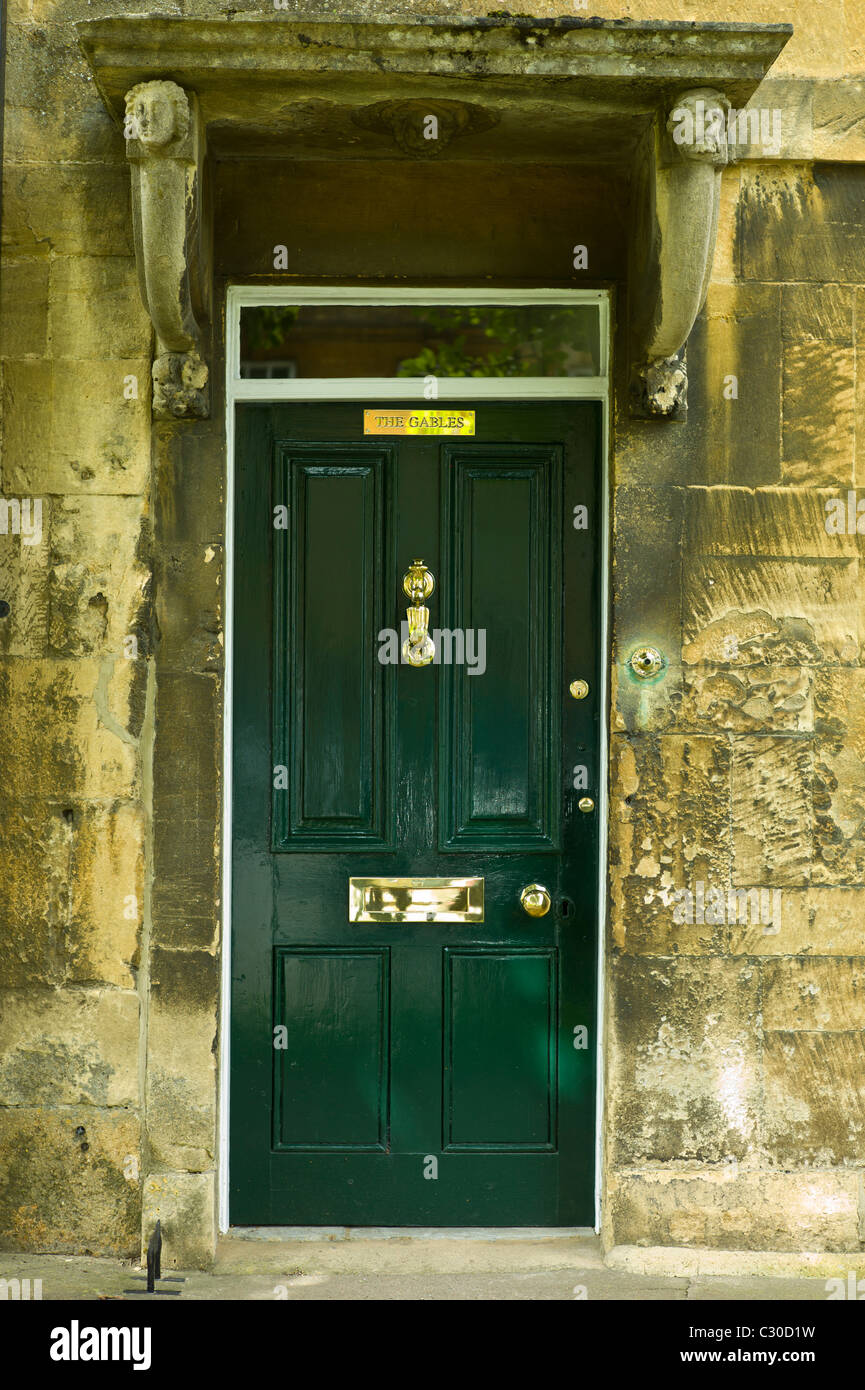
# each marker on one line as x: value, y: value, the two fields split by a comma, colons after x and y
x: 431, y: 1073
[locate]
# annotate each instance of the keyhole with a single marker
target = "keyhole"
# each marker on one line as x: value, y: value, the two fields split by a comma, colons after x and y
x: 565, y: 907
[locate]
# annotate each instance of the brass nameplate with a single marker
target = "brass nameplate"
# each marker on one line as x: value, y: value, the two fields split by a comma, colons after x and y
x: 415, y: 900
x: 383, y: 421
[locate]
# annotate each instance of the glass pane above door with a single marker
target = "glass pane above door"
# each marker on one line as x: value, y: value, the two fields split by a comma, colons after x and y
x: 443, y: 340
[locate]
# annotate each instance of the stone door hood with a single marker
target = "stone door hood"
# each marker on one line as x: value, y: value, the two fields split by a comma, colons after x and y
x: 563, y: 90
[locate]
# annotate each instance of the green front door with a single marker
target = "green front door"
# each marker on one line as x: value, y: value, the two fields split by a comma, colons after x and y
x: 415, y: 1072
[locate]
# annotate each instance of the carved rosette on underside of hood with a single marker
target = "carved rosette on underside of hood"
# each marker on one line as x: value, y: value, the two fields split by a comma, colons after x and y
x: 165, y: 149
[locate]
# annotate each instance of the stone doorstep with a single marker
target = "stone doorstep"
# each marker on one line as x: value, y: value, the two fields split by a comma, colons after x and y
x: 386, y: 1250
x: 382, y: 1250
x: 361, y: 1233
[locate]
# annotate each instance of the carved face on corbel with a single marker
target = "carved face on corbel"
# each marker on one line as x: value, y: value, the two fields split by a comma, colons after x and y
x: 698, y: 126
x: 157, y: 113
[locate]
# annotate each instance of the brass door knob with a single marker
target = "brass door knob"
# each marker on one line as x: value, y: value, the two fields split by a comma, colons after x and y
x: 535, y: 900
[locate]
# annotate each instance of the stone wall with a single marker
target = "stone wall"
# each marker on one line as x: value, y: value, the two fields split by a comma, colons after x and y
x: 734, y: 1072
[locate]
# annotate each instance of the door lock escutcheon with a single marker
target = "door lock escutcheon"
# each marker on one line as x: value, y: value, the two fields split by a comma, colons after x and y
x: 579, y: 689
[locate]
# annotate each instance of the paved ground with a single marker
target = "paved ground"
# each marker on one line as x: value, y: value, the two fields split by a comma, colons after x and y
x: 402, y: 1268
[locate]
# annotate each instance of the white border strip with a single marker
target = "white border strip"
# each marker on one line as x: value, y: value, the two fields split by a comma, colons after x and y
x: 603, y: 799
x: 394, y: 388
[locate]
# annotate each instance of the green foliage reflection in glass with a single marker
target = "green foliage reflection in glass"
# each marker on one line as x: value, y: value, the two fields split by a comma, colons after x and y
x: 268, y: 326
x: 462, y: 341
x: 523, y: 342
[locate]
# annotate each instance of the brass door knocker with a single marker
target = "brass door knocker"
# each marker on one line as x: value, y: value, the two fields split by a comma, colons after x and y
x: 418, y: 583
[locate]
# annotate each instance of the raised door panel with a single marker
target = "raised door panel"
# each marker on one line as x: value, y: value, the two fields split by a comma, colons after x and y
x: 499, y: 750
x: 331, y: 1048
x: 332, y: 763
x: 500, y: 1028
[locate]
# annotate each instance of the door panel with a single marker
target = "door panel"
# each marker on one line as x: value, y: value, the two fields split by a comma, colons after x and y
x: 500, y: 1053
x: 414, y: 1072
x: 331, y: 1088
x: 501, y: 744
x: 328, y: 730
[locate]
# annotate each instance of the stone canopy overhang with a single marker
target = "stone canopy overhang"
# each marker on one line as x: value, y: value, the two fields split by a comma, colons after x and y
x: 581, y: 91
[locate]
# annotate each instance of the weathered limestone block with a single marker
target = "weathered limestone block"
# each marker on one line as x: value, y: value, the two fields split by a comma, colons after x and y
x: 771, y: 699
x: 69, y: 1047
x: 65, y: 11
x: 839, y: 707
x: 802, y: 224
x: 203, y: 9
x: 724, y: 264
x: 814, y: 922
x: 36, y: 57
x: 854, y: 37
x: 839, y: 777
x: 772, y: 813
x: 100, y: 583
x: 765, y: 521
x: 101, y: 437
x: 859, y: 471
x: 839, y: 814
x: 670, y: 828
x: 72, y: 900
x: 34, y: 904
x: 71, y: 734
x: 818, y: 386
x: 777, y: 122
x: 28, y: 389
x: 189, y: 501
x: 839, y: 111
x: 106, y: 894
x: 814, y: 1097
x: 54, y: 115
x: 72, y: 209
x: 685, y: 1066
x: 44, y: 135
x: 24, y: 581
x: 647, y: 530
x: 181, y: 1049
x: 63, y: 1183
x: 814, y: 994
x: 189, y: 594
x: 731, y: 1209
x: 817, y: 314
x: 185, y: 886
x: 73, y: 427
x: 96, y: 311
x: 24, y: 306
x: 185, y: 1203
x: 738, y: 352
x: 773, y: 612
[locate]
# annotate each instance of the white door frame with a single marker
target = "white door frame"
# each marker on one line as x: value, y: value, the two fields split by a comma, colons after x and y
x: 239, y: 389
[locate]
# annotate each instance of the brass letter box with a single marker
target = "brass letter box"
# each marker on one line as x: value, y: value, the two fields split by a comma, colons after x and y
x: 415, y: 900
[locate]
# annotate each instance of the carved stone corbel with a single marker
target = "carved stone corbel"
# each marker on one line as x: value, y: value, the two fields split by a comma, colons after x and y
x: 165, y: 148
x: 674, y: 245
